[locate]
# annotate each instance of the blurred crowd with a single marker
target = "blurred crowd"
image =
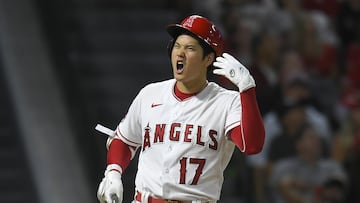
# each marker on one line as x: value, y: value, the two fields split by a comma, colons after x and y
x: 305, y: 58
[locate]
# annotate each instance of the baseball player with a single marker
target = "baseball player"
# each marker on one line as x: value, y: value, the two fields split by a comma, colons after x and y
x: 186, y: 128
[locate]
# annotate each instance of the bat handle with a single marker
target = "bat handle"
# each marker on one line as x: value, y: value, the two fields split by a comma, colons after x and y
x: 114, y: 198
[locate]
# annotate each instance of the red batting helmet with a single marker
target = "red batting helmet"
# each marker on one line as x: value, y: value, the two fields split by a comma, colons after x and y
x: 201, y: 27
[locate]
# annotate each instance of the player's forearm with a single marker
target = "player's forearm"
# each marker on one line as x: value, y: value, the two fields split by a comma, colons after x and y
x: 253, y: 131
x: 119, y: 153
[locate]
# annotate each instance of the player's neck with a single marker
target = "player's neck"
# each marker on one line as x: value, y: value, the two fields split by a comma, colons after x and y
x: 180, y: 95
x: 190, y: 89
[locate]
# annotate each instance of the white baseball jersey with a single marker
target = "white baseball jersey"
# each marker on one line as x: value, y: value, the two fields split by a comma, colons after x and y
x: 184, y: 147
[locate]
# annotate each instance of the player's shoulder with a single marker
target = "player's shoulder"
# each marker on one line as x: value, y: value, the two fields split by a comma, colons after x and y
x: 157, y: 86
x: 219, y: 90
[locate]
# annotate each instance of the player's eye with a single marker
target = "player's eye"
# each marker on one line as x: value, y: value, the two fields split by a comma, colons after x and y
x: 191, y: 48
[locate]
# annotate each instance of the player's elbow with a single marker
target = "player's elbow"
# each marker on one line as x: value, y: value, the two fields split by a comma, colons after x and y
x: 257, y: 146
x: 253, y: 150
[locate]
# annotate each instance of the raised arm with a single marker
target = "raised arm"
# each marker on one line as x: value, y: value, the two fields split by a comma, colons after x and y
x: 249, y: 136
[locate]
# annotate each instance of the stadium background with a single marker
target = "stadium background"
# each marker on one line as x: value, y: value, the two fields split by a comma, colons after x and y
x: 67, y: 65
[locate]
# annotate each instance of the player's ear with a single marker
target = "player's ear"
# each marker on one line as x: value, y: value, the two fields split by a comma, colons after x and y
x: 210, y: 58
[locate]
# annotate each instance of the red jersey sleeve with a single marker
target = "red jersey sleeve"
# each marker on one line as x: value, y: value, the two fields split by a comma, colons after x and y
x: 250, y: 135
x: 119, y: 153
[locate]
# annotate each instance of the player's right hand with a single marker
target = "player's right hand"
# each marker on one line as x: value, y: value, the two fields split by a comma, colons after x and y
x: 232, y: 69
x: 111, y: 188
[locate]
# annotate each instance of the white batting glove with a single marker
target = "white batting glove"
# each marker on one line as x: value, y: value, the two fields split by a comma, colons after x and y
x: 111, y: 188
x: 234, y: 71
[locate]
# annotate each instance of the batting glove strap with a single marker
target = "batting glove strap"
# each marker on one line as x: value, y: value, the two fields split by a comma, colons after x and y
x: 113, y: 167
x: 232, y: 69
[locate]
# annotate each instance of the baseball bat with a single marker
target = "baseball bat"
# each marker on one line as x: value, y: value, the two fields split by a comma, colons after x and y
x: 105, y: 130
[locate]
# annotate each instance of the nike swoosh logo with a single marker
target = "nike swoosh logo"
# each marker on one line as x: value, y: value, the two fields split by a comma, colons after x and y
x: 155, y: 105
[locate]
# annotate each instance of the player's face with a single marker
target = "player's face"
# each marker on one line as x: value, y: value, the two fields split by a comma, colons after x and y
x: 189, y: 65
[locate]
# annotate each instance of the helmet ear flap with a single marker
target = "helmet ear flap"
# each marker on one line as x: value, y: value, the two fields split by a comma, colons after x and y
x: 170, y: 46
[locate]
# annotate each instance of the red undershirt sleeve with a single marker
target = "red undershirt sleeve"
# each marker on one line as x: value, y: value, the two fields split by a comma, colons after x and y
x: 119, y: 153
x: 249, y: 136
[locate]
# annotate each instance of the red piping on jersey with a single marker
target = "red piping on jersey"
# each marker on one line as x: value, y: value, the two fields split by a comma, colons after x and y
x: 131, y: 143
x: 249, y: 136
x: 231, y: 124
x: 180, y: 95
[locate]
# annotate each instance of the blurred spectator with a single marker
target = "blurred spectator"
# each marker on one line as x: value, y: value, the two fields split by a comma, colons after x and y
x: 346, y: 147
x: 348, y: 27
x: 332, y: 191
x: 230, y: 19
x: 329, y: 7
x: 296, y: 179
x: 240, y: 40
x: 266, y: 56
x: 294, y: 86
x: 291, y: 6
x: 353, y: 64
x: 350, y: 85
x: 317, y: 46
x: 291, y: 68
x: 211, y: 9
x: 347, y: 102
x: 325, y: 27
x: 305, y: 57
x: 295, y: 107
x: 348, y: 21
x: 287, y: 16
x: 292, y: 116
x: 345, y: 141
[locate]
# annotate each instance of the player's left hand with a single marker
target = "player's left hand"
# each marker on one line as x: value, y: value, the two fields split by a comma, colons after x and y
x: 111, y: 188
x: 232, y: 69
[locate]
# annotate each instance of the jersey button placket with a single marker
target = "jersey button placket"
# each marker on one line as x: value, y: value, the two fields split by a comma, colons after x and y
x: 165, y: 178
x: 178, y: 112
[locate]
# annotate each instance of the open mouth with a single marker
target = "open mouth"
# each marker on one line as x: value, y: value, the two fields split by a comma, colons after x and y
x: 179, y: 66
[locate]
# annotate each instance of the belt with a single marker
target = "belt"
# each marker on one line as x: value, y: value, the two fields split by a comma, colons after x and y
x: 156, y: 200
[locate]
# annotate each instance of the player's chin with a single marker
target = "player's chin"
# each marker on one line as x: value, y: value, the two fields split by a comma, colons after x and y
x: 179, y: 77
